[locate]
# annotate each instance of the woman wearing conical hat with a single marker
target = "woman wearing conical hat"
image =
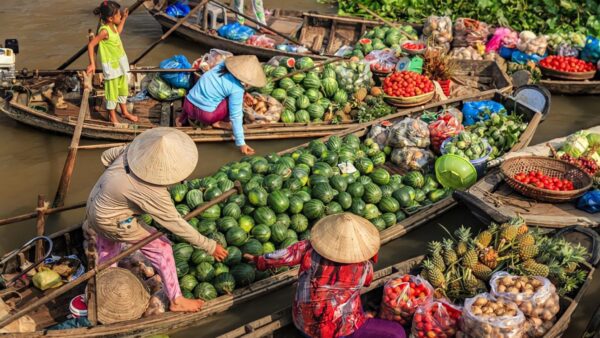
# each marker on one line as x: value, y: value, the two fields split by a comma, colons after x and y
x: 217, y: 98
x: 335, y: 264
x: 134, y: 183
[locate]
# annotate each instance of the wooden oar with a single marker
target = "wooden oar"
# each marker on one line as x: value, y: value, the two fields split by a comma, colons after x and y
x: 384, y: 20
x: 289, y: 38
x: 89, y: 274
x: 83, y: 49
x: 67, y: 173
x: 170, y: 31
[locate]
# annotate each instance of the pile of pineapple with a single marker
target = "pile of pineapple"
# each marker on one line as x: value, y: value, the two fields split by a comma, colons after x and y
x: 460, y: 267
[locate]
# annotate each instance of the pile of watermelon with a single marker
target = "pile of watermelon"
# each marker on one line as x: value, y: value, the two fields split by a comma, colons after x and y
x: 309, y: 96
x: 283, y: 197
x: 382, y: 37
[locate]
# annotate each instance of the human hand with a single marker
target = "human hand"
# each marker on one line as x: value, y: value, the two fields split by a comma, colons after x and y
x: 246, y: 150
x: 125, y: 13
x: 220, y: 253
x: 91, y: 69
x: 248, y: 257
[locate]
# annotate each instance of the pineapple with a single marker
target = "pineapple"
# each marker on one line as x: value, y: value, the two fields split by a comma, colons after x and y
x: 450, y: 256
x: 536, y: 269
x: 489, y: 257
x: 435, y: 248
x: 485, y: 237
x: 520, y: 222
x: 528, y: 251
x: 525, y: 239
x: 482, y: 271
x: 464, y: 235
x: 469, y: 281
x: 434, y: 275
x: 509, y: 232
x: 470, y: 258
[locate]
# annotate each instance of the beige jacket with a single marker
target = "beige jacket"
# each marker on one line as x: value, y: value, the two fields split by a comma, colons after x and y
x: 118, y: 197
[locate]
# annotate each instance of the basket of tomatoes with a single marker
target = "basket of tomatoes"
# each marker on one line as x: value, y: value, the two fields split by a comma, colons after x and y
x: 407, y: 89
x: 545, y: 179
x: 402, y: 296
x: 567, y: 68
x: 414, y: 47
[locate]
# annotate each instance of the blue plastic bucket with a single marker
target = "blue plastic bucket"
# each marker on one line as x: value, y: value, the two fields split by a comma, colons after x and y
x: 480, y: 164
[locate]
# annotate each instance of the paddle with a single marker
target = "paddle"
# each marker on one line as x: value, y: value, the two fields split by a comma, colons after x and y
x: 170, y: 31
x: 89, y: 274
x: 289, y: 38
x: 83, y: 49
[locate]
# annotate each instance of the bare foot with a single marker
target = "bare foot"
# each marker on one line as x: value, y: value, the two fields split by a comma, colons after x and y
x: 182, y: 304
x: 222, y: 125
x: 112, y: 115
x: 130, y: 117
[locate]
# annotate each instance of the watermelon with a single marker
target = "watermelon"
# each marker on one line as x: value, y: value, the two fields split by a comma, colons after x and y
x: 182, y: 268
x: 279, y: 72
x: 194, y: 198
x: 378, y: 159
x: 182, y: 251
x: 345, y: 200
x: 278, y: 232
x: 264, y: 215
x: 248, y: 209
x: 194, y: 184
x: 178, y: 192
x: 146, y: 218
x: 207, y: 183
x: 389, y: 218
x: 220, y: 268
x: 302, y: 116
x: 302, y: 102
x: 308, y: 159
x: 234, y: 256
x: 301, y: 174
x: 358, y: 207
x: 286, y: 83
x: 287, y: 62
x: 293, y: 184
x: 379, y: 223
x: 400, y: 216
x: 352, y: 140
x: 288, y: 242
x: 405, y: 196
x: 364, y: 165
x: 420, y: 195
x: 187, y: 294
x: 253, y: 247
x: 315, y: 208
x: 271, y: 183
x: 268, y: 69
x: 288, y: 161
x: 283, y: 219
x: 311, y: 81
x: 278, y: 202
x: 334, y: 142
x: 437, y: 195
x: 414, y: 179
x: 288, y: 116
x: 220, y: 176
x: 315, y: 111
x: 194, y: 222
x: 212, y: 193
x: 242, y: 174
x: 206, y: 227
x: 330, y: 87
x: 219, y: 238
x: 333, y: 208
x: 296, y: 205
x: 260, y: 166
x: 282, y: 170
x: 268, y: 247
x: 204, y: 272
x: 258, y: 197
x: 304, y: 62
x: 226, y: 184
x: 299, y: 223
x: 232, y: 210
x: 205, y: 291
x: 289, y: 104
x: 323, y: 169
x: 246, y: 223
x: 225, y: 223
x: 279, y: 94
x: 338, y: 183
x: 346, y: 154
x: 332, y: 159
x: 295, y: 92
x: 236, y: 236
x: 372, y: 193
x: 199, y: 256
x: 303, y: 236
x: 261, y: 232
x: 386, y: 190
x: 298, y: 77
x: 260, y: 275
x: 371, y: 211
x: 312, y: 94
x: 356, y: 189
x: 380, y: 176
x: 237, y: 199
x: 364, y: 180
x: 243, y: 274
x: 182, y: 209
x: 316, y: 179
x: 389, y: 204
x: 328, y: 73
x: 323, y: 192
x: 224, y: 283
x: 340, y: 97
x: 303, y: 195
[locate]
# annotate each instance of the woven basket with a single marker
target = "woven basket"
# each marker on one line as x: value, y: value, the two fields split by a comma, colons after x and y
x: 121, y: 296
x: 550, y: 167
x: 413, y: 101
x: 412, y: 51
x: 577, y: 76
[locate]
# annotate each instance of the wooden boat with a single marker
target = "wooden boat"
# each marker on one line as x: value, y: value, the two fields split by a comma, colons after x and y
x: 492, y: 199
x: 565, y: 87
x: 71, y: 238
x: 279, y: 324
x: 33, y: 105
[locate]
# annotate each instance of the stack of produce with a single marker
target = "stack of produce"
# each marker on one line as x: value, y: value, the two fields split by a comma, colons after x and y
x: 407, y: 84
x: 436, y: 319
x: 470, y: 32
x: 402, y: 296
x: 486, y: 316
x: 372, y: 108
x: 501, y: 131
x: 530, y: 43
x: 438, y: 31
x: 382, y: 37
x: 467, y: 145
x: 539, y: 180
x: 459, y: 267
x: 567, y: 64
x: 582, y: 149
x: 566, y: 44
x: 283, y: 196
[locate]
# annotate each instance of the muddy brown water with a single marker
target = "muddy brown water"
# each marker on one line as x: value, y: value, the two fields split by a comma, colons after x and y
x: 31, y: 160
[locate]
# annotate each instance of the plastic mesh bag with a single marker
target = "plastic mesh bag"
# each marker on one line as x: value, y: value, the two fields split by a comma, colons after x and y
x: 470, y: 32
x: 485, y: 316
x: 263, y: 109
x: 236, y: 32
x: 529, y: 43
x: 176, y: 80
x: 261, y: 41
x: 379, y: 134
x: 590, y: 202
x: 412, y: 158
x: 384, y: 60
x: 409, y: 133
x: 402, y: 296
x: 160, y: 90
x: 438, y: 30
x: 446, y: 126
x: 211, y: 59
x: 437, y: 316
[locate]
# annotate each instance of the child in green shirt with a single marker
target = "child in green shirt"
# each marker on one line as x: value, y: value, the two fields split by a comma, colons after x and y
x: 115, y: 65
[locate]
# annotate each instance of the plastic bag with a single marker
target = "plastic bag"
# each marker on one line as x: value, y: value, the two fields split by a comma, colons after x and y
x: 265, y: 110
x: 409, y: 133
x: 476, y: 111
x: 161, y: 91
x: 522, y: 58
x: 446, y: 126
x: 176, y: 80
x: 590, y: 202
x: 591, y: 51
x: 436, y: 316
x: 439, y: 29
x: 353, y: 75
x: 466, y: 53
x: 480, y: 320
x: 498, y: 39
x: 344, y: 51
x: 178, y: 10
x: 470, y: 32
x: 236, y: 32
x: 261, y: 41
x: 379, y: 134
x: 159, y: 303
x: 412, y: 158
x: 383, y: 61
x: 23, y: 324
x: 46, y: 279
x: 529, y: 43
x: 506, y: 52
x: 402, y: 296
x: 211, y: 59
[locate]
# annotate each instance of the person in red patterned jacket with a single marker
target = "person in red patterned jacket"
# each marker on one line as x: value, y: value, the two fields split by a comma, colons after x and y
x: 334, y: 265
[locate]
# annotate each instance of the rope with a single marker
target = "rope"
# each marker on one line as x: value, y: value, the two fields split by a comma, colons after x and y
x: 44, y: 208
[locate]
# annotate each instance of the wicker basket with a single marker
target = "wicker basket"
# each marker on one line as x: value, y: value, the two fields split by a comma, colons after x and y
x: 412, y: 51
x: 577, y: 76
x: 405, y: 102
x: 550, y: 167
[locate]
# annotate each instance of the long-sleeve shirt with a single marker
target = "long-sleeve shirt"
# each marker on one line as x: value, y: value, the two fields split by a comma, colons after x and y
x: 327, y: 302
x: 119, y: 196
x: 212, y: 88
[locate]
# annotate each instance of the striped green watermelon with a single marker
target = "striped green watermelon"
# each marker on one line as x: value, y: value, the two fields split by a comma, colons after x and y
x: 295, y: 92
x: 288, y: 242
x: 330, y: 87
x: 379, y: 158
x: 405, y: 196
x: 220, y: 268
x: 364, y: 180
x: 268, y: 69
x: 303, y: 195
x: 314, y: 209
x: 380, y: 176
x: 286, y: 83
x: 283, y: 219
x: 182, y: 251
x: 316, y: 179
x: 268, y: 88
x: 371, y: 211
x: 334, y: 143
x: 194, y: 222
x: 258, y: 197
x: 352, y: 140
x: 207, y: 183
x: 311, y: 81
x: 304, y: 62
x: 323, y: 169
x: 287, y: 62
x: 206, y: 227
x: 333, y: 208
x: 182, y: 268
x: 328, y: 73
x: 279, y: 94
x: 338, y: 182
x: 288, y: 116
x: 194, y: 198
x: 372, y: 193
x: 356, y: 190
x: 282, y: 170
x: 303, y: 236
x: 264, y: 215
x: 272, y: 183
x: 246, y: 222
x: 322, y: 192
x: 225, y: 223
x: 364, y: 165
x: 278, y: 202
x: 278, y: 232
x: 299, y: 223
x: 237, y: 199
x: 224, y: 283
x: 234, y: 256
x: 187, y: 294
x: 146, y: 218
x: 194, y: 184
x: 288, y: 160
x: 379, y: 223
x: 296, y: 205
x: 220, y: 176
x: 293, y: 184
x: 302, y: 102
x: 279, y: 72
x: 358, y: 207
x: 332, y: 159
x: 226, y: 184
x: 389, y: 204
x: 345, y: 200
x: 315, y: 111
x: 218, y: 237
x: 244, y: 274
x: 182, y: 209
x: 188, y: 282
x: 205, y: 291
x: 236, y: 236
x: 204, y: 272
x: 199, y: 256
x: 312, y: 94
x: 289, y: 104
x: 212, y: 193
x: 298, y: 77
x: 268, y: 247
x: 347, y: 154
x: 308, y: 159
x: 386, y: 190
x: 389, y: 218
x: 261, y: 232
x: 178, y: 192
x: 233, y: 210
x: 302, y: 116
x: 253, y: 247
x: 414, y: 179
x: 340, y: 97
x: 323, y: 102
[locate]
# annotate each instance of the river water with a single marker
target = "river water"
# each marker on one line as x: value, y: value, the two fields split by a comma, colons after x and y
x: 31, y: 161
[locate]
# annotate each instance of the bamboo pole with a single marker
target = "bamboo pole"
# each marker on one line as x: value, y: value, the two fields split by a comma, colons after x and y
x: 40, y: 226
x: 65, y: 179
x: 91, y: 273
x: 34, y: 214
x: 83, y: 49
x: 289, y: 38
x: 321, y: 64
x: 170, y: 31
x: 101, y: 146
x: 384, y: 20
x: 54, y: 72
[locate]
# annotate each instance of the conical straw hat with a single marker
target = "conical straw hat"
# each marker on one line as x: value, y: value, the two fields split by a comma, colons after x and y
x: 162, y: 156
x: 120, y: 295
x: 345, y: 238
x: 247, y: 69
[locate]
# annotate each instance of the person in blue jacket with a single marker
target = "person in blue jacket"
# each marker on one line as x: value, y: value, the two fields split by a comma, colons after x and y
x: 217, y: 98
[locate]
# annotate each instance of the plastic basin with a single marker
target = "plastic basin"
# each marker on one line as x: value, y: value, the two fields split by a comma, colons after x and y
x: 480, y: 164
x: 455, y: 172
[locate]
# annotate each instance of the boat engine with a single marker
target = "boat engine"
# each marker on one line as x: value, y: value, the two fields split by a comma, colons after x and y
x: 7, y: 67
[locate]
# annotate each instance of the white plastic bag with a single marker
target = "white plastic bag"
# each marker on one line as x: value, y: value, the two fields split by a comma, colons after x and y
x: 409, y: 133
x: 485, y: 316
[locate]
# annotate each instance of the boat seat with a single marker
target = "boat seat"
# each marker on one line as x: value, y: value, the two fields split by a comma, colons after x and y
x: 212, y: 11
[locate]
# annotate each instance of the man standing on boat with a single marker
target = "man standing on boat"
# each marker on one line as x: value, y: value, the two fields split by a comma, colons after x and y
x: 135, y: 182
x: 335, y: 264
